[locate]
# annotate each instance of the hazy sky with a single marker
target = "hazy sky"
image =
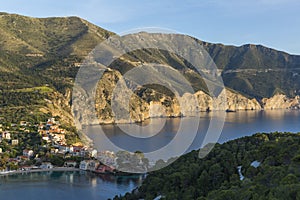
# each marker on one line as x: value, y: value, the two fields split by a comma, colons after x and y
x: 273, y: 23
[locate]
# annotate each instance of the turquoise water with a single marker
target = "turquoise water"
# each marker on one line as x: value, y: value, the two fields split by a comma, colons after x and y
x: 64, y: 186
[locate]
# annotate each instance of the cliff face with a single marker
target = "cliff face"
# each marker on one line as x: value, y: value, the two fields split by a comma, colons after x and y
x: 280, y: 101
x: 146, y: 102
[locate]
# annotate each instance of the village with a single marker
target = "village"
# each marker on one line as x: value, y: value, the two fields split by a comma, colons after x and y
x: 28, y: 147
x: 43, y: 146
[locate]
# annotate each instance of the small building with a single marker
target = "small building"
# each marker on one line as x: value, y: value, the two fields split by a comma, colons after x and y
x: 23, y: 123
x: 27, y: 168
x: 104, y: 169
x: 70, y: 163
x: 6, y: 135
x: 94, y: 153
x: 83, y: 165
x: 22, y: 158
x: 46, y: 165
x: 14, y: 142
x: 90, y: 165
x: 59, y: 138
x: 64, y: 148
x: 28, y: 153
x: 46, y: 138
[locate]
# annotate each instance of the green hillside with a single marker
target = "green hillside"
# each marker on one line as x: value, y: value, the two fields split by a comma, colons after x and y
x: 257, y: 71
x: 37, y: 53
x: 270, y: 169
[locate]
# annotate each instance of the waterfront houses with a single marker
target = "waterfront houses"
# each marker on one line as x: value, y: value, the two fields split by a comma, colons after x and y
x: 70, y: 163
x: 89, y: 165
x: 46, y: 165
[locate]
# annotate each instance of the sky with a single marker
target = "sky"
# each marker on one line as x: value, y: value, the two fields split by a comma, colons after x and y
x: 272, y: 23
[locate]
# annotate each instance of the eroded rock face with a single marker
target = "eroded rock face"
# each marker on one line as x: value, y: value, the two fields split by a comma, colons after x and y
x: 146, y: 103
x: 149, y: 103
x: 227, y: 100
x: 281, y: 101
x: 236, y: 102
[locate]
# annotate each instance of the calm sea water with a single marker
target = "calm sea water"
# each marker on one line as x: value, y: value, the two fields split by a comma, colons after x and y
x: 236, y: 124
x: 78, y: 186
x: 64, y: 185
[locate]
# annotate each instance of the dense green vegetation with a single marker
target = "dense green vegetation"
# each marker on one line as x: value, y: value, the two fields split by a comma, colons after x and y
x: 216, y: 176
x: 39, y: 57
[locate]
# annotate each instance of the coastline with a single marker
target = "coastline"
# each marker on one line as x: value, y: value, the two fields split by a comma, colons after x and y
x: 102, y: 123
x: 56, y: 169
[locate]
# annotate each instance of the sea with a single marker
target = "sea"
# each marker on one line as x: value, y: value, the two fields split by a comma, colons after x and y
x: 154, y: 135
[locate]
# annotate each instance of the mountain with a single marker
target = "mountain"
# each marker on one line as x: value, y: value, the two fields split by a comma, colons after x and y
x: 262, y: 166
x: 257, y: 71
x: 40, y: 57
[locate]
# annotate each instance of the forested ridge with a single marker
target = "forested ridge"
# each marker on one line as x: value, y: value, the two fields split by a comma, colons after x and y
x: 216, y: 176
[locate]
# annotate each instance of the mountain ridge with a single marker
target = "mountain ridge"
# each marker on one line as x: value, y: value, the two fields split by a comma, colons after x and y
x: 38, y: 52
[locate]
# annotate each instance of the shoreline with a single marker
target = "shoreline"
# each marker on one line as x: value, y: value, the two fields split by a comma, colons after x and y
x: 56, y: 169
x: 187, y: 116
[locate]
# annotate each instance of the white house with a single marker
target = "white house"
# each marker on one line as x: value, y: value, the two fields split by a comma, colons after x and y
x: 46, y: 165
x: 28, y: 153
x: 14, y: 142
x: 46, y: 138
x: 94, y: 153
x: 88, y: 165
x: 6, y: 135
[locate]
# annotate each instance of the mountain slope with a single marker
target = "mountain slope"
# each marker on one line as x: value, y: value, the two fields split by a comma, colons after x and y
x: 42, y: 52
x: 47, y: 52
x: 31, y: 45
x: 257, y: 71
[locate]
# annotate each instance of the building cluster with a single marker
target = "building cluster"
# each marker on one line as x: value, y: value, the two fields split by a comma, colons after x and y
x: 105, y: 162
x: 10, y: 135
x: 52, y: 133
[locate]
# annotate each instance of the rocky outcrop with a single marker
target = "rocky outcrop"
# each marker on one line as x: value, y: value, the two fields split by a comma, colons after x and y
x: 146, y: 103
x: 227, y: 100
x: 236, y: 102
x: 281, y: 101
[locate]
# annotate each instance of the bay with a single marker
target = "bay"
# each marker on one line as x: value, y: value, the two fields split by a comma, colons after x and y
x: 65, y: 185
x: 81, y: 185
x: 236, y: 124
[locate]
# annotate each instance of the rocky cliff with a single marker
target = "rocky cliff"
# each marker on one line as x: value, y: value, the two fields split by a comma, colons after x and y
x: 281, y: 101
x: 147, y: 102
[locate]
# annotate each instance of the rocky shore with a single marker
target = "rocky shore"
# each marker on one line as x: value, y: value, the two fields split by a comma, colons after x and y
x: 153, y: 104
